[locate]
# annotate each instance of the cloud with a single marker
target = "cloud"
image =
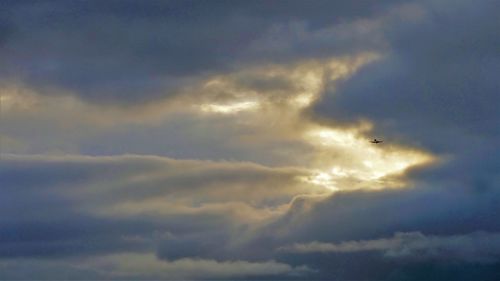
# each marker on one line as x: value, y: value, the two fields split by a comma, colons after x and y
x: 143, y: 178
x: 189, y: 139
x: 364, y: 214
x: 147, y: 266
x: 435, y: 85
x: 196, y: 215
x: 478, y: 247
x: 351, y: 227
x: 238, y: 105
x: 125, y: 53
x: 107, y: 200
x: 260, y: 114
x: 434, y: 89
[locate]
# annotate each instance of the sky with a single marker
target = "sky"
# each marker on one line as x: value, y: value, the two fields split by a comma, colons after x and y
x: 187, y: 140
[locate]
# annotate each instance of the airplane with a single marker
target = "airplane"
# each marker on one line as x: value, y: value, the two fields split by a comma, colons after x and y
x: 376, y: 141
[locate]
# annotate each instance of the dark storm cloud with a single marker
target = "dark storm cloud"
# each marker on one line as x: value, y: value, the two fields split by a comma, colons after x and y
x: 40, y: 220
x: 435, y: 87
x: 376, y: 215
x: 438, y: 85
x: 362, y: 215
x: 477, y: 253
x: 125, y: 52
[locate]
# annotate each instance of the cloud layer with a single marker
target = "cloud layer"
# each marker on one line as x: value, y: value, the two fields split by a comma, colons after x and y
x: 476, y: 247
x: 230, y: 140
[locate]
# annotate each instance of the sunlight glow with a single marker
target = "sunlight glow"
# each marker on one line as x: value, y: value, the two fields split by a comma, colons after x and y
x: 328, y: 137
x: 354, y: 162
x: 303, y: 100
x: 361, y: 164
x: 311, y: 83
x: 11, y: 99
x: 322, y: 179
x: 230, y: 108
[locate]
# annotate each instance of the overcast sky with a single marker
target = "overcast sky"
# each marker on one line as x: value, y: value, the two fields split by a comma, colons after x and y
x: 231, y: 140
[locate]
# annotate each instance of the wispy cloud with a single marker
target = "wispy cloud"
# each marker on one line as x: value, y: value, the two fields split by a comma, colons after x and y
x: 478, y: 247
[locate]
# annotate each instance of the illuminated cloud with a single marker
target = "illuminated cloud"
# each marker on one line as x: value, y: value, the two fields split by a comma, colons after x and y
x: 347, y: 154
x: 148, y: 266
x: 274, y: 100
x: 162, y: 141
x: 229, y: 108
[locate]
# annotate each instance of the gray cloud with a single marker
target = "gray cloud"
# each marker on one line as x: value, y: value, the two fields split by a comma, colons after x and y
x: 125, y: 52
x: 91, y: 64
x: 166, y: 216
x: 353, y: 227
x: 436, y: 86
x: 55, y: 205
x: 442, y: 213
x: 362, y: 215
x: 479, y: 247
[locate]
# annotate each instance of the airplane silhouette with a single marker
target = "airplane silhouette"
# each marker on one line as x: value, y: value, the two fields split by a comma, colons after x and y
x: 376, y: 141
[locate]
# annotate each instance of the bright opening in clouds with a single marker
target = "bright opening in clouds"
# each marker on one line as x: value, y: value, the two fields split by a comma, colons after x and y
x: 234, y: 140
